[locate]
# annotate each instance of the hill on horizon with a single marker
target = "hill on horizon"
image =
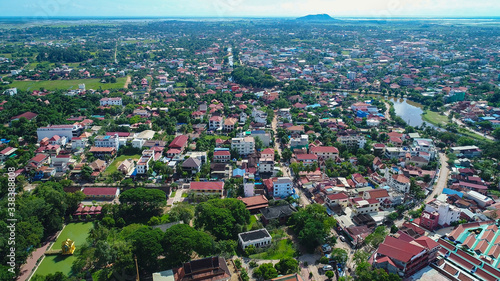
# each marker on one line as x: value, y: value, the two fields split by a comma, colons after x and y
x: 317, y: 17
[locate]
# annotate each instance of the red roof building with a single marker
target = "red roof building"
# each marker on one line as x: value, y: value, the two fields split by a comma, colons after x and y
x: 101, y: 192
x: 179, y: 142
x: 210, y: 187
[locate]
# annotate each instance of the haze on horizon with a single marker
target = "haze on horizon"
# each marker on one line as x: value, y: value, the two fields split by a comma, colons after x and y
x: 249, y: 8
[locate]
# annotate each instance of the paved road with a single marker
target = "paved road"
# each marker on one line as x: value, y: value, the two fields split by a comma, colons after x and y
x: 28, y: 267
x: 461, y: 124
x: 442, y: 179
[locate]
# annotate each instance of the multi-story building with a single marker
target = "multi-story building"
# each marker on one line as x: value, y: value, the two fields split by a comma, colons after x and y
x: 215, y: 123
x: 107, y: 141
x: 400, y: 182
x: 325, y: 152
x: 262, y: 135
x: 299, y: 142
x: 266, y: 164
x: 364, y: 206
x: 222, y: 156
x: 447, y: 214
x: 211, y: 187
x: 229, y: 124
x: 68, y: 131
x: 143, y: 163
x: 339, y: 198
x: 244, y: 146
x: 111, y: 101
x: 307, y: 159
x: 352, y: 140
x: 282, y: 187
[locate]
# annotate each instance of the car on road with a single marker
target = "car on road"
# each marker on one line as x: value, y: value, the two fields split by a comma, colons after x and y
x: 342, y: 238
x: 327, y: 267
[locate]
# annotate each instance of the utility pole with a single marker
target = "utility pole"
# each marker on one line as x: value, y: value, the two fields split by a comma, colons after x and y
x: 137, y: 268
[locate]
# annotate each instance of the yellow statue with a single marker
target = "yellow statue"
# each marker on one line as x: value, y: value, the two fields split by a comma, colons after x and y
x: 68, y: 247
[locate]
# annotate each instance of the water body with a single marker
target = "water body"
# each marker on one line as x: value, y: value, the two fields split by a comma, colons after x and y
x: 410, y: 111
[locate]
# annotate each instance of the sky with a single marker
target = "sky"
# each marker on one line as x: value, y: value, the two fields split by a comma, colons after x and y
x: 249, y: 8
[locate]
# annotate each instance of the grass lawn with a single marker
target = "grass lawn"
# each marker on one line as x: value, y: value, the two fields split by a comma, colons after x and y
x: 283, y: 249
x: 473, y: 135
x: 185, y: 194
x: 67, y: 84
x: 253, y: 220
x: 435, y: 118
x: 172, y: 195
x: 118, y: 160
x: 77, y: 232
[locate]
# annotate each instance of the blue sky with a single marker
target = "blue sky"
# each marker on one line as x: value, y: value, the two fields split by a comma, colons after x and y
x: 249, y: 8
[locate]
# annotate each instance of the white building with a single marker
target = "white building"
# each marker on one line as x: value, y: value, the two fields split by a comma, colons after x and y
x: 365, y: 206
x: 68, y: 131
x: 325, y: 152
x: 447, y: 213
x: 143, y: 164
x: 352, y: 140
x: 351, y: 75
x: 77, y: 143
x: 400, y: 182
x: 283, y: 187
x: 215, y: 123
x: 249, y: 189
x: 257, y: 238
x: 138, y: 143
x: 244, y: 146
x: 110, y: 101
x: 299, y: 142
x: 266, y: 165
x: 107, y: 141
x: 481, y: 200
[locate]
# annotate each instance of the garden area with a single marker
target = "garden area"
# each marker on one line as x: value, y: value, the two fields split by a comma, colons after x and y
x: 113, y: 167
x: 77, y: 232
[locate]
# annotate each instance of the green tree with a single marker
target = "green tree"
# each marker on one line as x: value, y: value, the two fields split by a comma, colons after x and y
x: 265, y: 271
x: 181, y: 240
x: 287, y: 266
x: 329, y: 274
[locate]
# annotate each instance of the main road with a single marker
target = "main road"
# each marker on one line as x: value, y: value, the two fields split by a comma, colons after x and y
x: 442, y: 178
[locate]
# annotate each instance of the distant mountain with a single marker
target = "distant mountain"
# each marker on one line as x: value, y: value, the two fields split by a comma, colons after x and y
x: 318, y: 17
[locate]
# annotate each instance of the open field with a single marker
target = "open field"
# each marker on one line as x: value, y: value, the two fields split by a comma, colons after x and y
x: 77, y: 232
x: 67, y: 84
x: 435, y: 118
x: 113, y: 167
x: 283, y: 249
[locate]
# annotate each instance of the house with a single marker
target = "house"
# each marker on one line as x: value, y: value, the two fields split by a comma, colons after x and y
x: 111, y: 101
x: 37, y: 161
x: 28, y: 115
x: 481, y: 200
x: 207, y: 269
x: 126, y: 166
x: 339, y: 198
x: 266, y: 165
x: 359, y: 180
x: 400, y: 182
x: 267, y: 153
x: 7, y: 153
x: 97, y: 166
x: 380, y: 194
x: 102, y: 193
x: 352, y: 140
x: 255, y: 203
x: 211, y: 187
x: 192, y: 165
x: 222, y: 156
x: 325, y: 152
x: 215, y: 123
x: 179, y: 142
x: 229, y: 124
x: 245, y: 146
x: 364, y: 206
x: 78, y: 142
x: 296, y: 129
x: 307, y: 159
x: 468, y: 151
x: 107, y: 141
x: 279, y: 214
x: 258, y: 238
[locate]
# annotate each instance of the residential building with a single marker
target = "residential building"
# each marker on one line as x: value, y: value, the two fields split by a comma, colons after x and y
x: 400, y: 182
x: 111, y: 101
x: 37, y: 161
x: 481, y: 200
x: 222, y: 156
x: 299, y: 142
x: 447, y: 214
x: 352, y: 140
x: 380, y: 194
x: 102, y: 152
x: 364, y: 206
x: 126, y: 166
x: 468, y: 151
x: 6, y: 153
x: 339, y: 198
x: 245, y: 146
x: 249, y: 189
x: 179, y: 142
x: 282, y: 187
x: 211, y: 187
x: 325, y: 152
x: 192, y: 165
x: 307, y: 159
x: 143, y: 163
x: 215, y: 123
x: 229, y: 124
x: 107, y: 141
x: 68, y: 131
x: 78, y: 142
x: 258, y: 238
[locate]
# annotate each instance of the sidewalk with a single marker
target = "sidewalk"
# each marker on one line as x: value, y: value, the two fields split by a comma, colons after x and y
x: 30, y: 264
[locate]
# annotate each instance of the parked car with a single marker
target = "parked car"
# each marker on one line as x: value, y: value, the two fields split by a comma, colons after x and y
x: 327, y: 267
x: 342, y: 238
